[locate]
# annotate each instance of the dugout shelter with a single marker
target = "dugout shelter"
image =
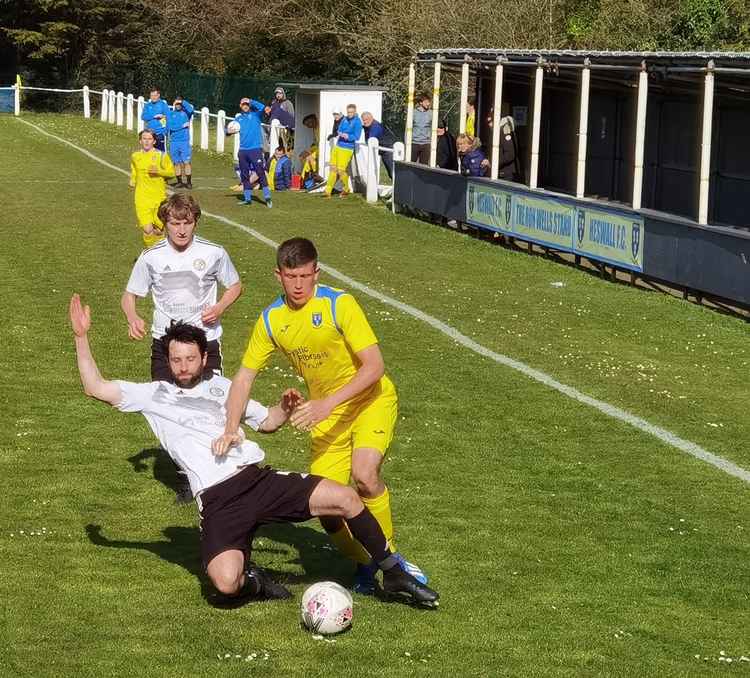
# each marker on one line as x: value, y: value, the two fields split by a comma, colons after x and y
x: 633, y: 160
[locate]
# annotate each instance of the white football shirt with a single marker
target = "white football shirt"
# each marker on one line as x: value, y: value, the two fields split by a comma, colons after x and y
x: 182, y: 284
x: 187, y: 421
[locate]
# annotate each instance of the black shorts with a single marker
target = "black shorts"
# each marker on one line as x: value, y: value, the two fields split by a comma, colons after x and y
x: 232, y: 510
x: 160, y: 360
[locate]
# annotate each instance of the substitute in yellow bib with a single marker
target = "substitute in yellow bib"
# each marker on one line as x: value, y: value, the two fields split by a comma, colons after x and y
x: 149, y: 171
x: 352, y: 409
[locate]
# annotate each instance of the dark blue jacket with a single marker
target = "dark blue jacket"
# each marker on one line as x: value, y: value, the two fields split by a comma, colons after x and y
x: 278, y: 112
x: 176, y: 122
x: 384, y: 136
x: 282, y: 180
x: 471, y: 163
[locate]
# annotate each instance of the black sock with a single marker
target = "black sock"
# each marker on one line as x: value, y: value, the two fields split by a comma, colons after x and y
x: 367, y: 531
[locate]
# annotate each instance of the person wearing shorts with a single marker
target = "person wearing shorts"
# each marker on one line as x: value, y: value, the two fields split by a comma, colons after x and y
x: 352, y: 410
x: 180, y: 150
x: 234, y: 493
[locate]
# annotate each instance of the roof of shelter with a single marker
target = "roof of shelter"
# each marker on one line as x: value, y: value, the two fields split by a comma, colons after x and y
x: 737, y: 60
x: 321, y: 86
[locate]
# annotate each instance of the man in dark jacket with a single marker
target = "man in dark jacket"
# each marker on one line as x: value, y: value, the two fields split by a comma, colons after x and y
x: 385, y: 137
x: 445, y: 156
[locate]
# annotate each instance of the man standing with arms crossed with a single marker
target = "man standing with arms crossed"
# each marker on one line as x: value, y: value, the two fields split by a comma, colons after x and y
x: 353, y: 407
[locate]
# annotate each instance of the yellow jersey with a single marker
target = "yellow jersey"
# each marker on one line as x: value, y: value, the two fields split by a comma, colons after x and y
x: 320, y: 340
x: 150, y: 189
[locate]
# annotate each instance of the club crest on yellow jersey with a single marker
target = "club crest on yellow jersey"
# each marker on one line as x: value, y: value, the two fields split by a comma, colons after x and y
x: 317, y: 319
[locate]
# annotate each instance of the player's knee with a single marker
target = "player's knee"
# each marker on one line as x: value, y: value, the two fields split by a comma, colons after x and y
x: 350, y: 503
x: 227, y: 582
x: 366, y: 481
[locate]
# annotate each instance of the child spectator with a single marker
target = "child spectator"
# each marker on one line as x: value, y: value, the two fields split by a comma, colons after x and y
x: 280, y: 171
x: 473, y: 161
x: 471, y: 117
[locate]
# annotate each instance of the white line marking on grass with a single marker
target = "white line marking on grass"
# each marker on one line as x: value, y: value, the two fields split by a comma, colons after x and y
x: 658, y: 432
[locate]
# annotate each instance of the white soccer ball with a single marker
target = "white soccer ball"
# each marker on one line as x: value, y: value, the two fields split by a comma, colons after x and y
x: 233, y: 127
x: 326, y: 608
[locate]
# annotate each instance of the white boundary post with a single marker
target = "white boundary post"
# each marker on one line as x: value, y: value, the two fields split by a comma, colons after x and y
x: 708, y: 122
x: 120, y: 117
x: 273, y: 137
x: 105, y: 103
x: 139, y: 112
x: 129, y: 112
x: 498, y: 103
x: 534, y: 170
x: 221, y: 123
x: 204, y: 128
x: 464, y: 97
x: 399, y: 153
x: 111, y: 115
x: 640, y: 137
x: 435, y: 114
x: 86, y: 102
x: 16, y: 100
x: 583, y: 129
x: 409, y: 112
x: 372, y: 170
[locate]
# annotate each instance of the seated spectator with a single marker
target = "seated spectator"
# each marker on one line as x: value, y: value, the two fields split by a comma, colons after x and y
x: 385, y: 137
x: 471, y: 117
x: 280, y: 171
x: 309, y: 157
x: 421, y: 133
x: 445, y: 156
x: 473, y: 161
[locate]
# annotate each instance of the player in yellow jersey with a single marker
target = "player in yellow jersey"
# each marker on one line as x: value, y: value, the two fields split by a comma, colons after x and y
x: 352, y: 408
x: 149, y: 171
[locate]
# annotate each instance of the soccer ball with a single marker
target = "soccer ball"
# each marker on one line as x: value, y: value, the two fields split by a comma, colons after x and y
x: 233, y: 127
x: 326, y: 608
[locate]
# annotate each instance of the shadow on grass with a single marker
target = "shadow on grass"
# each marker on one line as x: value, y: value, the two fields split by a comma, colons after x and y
x: 311, y: 550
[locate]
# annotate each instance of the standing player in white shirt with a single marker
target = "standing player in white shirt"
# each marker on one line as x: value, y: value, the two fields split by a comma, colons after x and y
x: 182, y: 274
x: 233, y: 492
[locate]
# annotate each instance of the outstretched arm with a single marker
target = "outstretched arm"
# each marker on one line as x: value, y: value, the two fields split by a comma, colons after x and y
x: 93, y: 383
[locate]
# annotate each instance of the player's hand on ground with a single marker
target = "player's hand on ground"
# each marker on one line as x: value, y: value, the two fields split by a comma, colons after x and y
x: 225, y: 442
x: 310, y: 414
x: 80, y: 316
x: 290, y: 400
x: 211, y: 314
x: 136, y: 328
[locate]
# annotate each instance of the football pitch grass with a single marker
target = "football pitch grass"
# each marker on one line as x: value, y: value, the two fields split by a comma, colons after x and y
x: 563, y: 542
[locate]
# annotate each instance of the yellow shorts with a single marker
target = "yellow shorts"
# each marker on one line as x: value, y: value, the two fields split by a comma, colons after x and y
x: 340, y: 158
x: 368, y: 425
x: 146, y: 213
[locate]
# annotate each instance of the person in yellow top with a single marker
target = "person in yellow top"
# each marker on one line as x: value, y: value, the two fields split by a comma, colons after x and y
x: 471, y: 116
x: 149, y: 171
x: 352, y: 409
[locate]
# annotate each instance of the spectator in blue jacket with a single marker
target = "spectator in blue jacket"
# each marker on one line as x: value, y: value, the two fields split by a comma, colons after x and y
x: 251, y: 158
x: 349, y: 131
x: 280, y: 171
x: 473, y: 161
x: 385, y: 137
x: 155, y: 116
x: 180, y: 150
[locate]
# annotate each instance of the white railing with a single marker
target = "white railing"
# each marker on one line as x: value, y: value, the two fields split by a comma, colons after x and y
x: 125, y: 110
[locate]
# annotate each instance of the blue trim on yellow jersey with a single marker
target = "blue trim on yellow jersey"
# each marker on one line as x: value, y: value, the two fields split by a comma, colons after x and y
x: 279, y: 301
x: 325, y: 292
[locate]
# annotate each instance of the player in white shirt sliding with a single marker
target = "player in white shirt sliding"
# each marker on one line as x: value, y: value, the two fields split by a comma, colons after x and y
x: 233, y: 492
x: 182, y: 273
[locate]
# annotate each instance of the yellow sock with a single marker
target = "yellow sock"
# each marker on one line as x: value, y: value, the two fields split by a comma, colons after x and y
x: 349, y: 546
x: 380, y: 507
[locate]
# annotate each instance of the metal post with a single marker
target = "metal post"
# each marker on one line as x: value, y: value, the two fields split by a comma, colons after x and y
x: 129, y: 112
x: 640, y: 137
x: 494, y: 166
x: 139, y: 113
x: 535, y: 133
x: 105, y: 103
x: 399, y: 153
x: 86, y: 102
x: 119, y: 113
x: 435, y: 113
x: 708, y: 119
x: 409, y: 112
x: 583, y: 129
x: 204, y: 128
x: 464, y: 97
x: 221, y: 123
